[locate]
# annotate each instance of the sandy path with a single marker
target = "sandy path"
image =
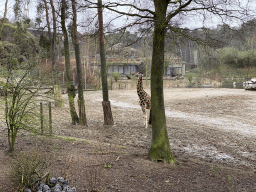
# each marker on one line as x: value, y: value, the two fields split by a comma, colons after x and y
x: 217, y: 124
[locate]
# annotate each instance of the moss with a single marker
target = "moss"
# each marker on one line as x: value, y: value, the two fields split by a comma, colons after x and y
x: 160, y: 149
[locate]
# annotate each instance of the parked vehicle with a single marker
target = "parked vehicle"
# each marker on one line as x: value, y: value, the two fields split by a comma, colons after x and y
x: 250, y: 85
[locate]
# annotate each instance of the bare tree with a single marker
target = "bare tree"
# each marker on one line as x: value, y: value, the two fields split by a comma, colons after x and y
x: 47, y: 19
x: 81, y: 104
x: 70, y: 90
x: 53, y: 43
x: 108, y: 118
x: 3, y: 19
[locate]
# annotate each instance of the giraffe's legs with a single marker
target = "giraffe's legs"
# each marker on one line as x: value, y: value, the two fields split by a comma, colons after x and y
x: 143, y: 107
x: 145, y: 119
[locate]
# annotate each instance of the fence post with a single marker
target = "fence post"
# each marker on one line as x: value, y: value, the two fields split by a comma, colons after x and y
x: 50, y: 118
x: 42, y: 118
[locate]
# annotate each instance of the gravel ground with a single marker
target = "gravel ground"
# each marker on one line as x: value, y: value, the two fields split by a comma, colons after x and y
x: 216, y: 124
x: 213, y: 125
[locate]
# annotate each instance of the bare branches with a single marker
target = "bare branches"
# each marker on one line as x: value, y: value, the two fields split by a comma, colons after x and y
x: 177, y: 11
x: 111, y: 5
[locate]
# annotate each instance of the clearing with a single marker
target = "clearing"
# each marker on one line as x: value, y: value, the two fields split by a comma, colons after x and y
x: 212, y: 134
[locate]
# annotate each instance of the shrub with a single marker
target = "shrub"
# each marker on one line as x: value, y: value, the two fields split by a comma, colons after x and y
x: 116, y: 76
x: 189, y: 76
x: 28, y: 169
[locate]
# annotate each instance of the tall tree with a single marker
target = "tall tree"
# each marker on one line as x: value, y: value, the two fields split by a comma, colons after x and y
x: 48, y: 21
x: 53, y: 43
x: 108, y: 118
x: 52, y: 39
x: 70, y: 90
x: 3, y: 19
x: 160, y: 147
x: 81, y: 103
x: 177, y: 10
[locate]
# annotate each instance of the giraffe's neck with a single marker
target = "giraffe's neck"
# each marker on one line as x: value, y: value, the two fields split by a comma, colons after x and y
x: 140, y: 85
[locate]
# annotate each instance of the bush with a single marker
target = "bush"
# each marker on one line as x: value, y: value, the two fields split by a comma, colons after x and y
x: 189, y: 76
x: 116, y: 76
x: 28, y: 169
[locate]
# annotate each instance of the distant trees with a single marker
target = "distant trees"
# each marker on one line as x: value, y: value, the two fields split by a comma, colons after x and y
x: 234, y: 49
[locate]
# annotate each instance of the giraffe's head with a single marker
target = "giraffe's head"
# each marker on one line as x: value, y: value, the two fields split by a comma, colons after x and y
x: 137, y: 74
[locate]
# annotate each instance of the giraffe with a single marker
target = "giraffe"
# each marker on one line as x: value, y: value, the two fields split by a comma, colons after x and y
x: 145, y: 99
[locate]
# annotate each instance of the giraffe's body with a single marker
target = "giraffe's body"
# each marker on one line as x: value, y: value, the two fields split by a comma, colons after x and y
x: 145, y: 99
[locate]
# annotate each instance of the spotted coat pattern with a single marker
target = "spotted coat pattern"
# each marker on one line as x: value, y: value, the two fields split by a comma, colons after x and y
x: 145, y: 99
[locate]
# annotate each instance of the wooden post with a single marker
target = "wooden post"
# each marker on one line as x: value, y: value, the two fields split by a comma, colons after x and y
x: 63, y: 79
x: 111, y: 83
x: 50, y: 118
x: 42, y: 118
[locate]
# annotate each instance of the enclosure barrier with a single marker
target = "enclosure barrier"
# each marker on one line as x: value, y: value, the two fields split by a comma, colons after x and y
x: 42, y: 118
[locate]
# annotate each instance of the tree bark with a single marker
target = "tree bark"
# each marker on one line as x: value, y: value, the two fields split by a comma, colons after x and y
x: 54, y: 69
x: 108, y: 118
x: 81, y: 106
x: 48, y: 21
x: 70, y: 91
x: 3, y: 19
x: 160, y: 146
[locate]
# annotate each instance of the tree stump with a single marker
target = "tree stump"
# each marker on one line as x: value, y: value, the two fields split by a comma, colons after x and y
x: 108, y: 118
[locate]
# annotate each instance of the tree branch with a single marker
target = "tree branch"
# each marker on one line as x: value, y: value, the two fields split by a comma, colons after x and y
x: 177, y: 11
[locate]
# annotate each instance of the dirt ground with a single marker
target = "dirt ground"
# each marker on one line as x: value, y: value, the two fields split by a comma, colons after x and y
x: 212, y: 135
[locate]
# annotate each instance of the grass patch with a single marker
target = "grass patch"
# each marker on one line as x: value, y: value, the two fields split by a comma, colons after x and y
x: 107, y: 165
x: 142, y: 177
x: 55, y: 147
x: 70, y: 139
x: 121, y: 147
x: 214, y: 170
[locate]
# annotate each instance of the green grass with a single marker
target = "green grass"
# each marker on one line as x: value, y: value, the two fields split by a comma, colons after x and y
x: 107, y: 165
x: 70, y: 139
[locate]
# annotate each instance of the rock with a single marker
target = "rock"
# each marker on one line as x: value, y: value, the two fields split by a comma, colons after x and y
x: 40, y: 186
x: 26, y: 190
x: 46, y: 188
x: 66, y: 187
x: 56, y: 190
x: 52, y: 180
x: 65, y: 182
x: 57, y: 186
x: 60, y: 179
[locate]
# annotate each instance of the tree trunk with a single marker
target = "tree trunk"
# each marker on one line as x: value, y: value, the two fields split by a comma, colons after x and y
x: 54, y: 69
x: 70, y: 91
x: 81, y: 106
x: 3, y: 19
x: 48, y: 21
x: 108, y: 118
x: 160, y: 147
